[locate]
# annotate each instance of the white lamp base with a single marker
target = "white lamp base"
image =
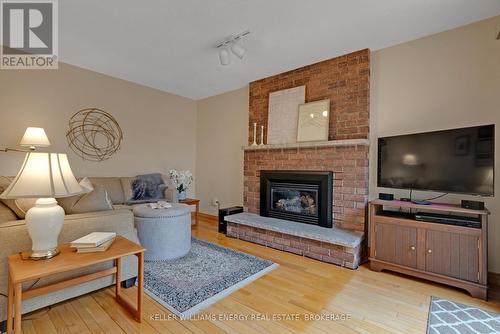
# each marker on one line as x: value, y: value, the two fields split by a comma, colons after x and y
x: 44, y: 222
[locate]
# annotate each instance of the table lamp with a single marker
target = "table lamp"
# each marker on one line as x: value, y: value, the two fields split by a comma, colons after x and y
x: 32, y: 138
x: 35, y: 137
x: 45, y: 176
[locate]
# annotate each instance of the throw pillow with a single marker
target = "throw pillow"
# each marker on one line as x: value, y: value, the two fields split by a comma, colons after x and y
x: 20, y: 205
x: 97, y: 200
x: 147, y: 188
x: 6, y: 214
x: 68, y: 202
x: 86, y: 185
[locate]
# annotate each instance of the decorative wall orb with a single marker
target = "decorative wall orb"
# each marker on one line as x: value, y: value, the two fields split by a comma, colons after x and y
x: 94, y: 134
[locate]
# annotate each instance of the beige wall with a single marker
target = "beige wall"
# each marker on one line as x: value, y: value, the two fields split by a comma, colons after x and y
x: 159, y: 128
x: 221, y: 131
x: 447, y: 80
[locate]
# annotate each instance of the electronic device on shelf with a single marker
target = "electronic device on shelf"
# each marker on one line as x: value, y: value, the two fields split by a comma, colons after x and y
x: 448, y: 219
x: 226, y: 212
x: 474, y: 205
x: 436, y: 218
x: 386, y: 196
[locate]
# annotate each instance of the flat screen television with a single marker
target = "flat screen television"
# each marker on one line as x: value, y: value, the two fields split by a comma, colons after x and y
x: 449, y: 161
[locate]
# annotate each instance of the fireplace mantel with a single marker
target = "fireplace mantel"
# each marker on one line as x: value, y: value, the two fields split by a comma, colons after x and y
x: 309, y: 144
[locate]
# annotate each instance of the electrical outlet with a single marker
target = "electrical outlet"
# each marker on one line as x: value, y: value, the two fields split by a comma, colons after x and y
x: 215, y: 201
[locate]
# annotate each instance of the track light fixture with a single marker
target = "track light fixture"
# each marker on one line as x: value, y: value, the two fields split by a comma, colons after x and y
x: 224, y: 56
x: 234, y: 44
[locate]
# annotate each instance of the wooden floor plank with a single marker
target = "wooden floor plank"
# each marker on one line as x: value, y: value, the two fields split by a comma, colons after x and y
x: 106, y: 299
x: 101, y: 317
x: 70, y: 317
x: 43, y: 325
x: 374, y: 302
x: 159, y: 317
x: 27, y: 327
x: 79, y: 307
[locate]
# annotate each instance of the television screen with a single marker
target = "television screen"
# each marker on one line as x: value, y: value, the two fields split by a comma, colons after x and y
x: 449, y: 161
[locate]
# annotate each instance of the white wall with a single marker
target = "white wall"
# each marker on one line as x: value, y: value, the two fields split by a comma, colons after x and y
x: 159, y: 129
x: 443, y: 81
x: 221, y: 131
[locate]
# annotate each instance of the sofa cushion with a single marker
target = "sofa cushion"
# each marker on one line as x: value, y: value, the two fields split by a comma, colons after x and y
x: 112, y: 185
x: 6, y: 214
x: 20, y: 205
x: 126, y: 183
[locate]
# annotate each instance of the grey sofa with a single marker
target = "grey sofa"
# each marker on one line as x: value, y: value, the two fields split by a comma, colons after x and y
x: 14, y: 238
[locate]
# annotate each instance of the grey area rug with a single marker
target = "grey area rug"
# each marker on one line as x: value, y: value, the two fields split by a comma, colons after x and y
x: 447, y: 317
x: 207, y: 274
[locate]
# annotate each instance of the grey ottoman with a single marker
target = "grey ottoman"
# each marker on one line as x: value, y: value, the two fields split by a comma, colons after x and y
x: 165, y: 233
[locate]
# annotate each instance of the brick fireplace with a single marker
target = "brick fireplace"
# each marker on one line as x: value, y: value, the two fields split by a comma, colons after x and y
x: 345, y: 81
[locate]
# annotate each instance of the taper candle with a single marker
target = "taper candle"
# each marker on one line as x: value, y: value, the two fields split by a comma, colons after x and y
x: 254, y: 134
x: 262, y: 135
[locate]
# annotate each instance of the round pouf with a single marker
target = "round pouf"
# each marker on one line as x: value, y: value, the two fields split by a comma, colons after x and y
x: 165, y: 233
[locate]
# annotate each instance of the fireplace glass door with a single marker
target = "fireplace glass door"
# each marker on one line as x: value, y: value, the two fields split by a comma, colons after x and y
x: 300, y: 199
x: 301, y: 196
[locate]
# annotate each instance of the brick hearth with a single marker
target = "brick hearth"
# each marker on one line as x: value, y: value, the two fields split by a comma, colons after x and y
x: 348, y: 257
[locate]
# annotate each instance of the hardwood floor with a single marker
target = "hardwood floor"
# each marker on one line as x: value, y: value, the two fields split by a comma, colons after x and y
x: 375, y: 302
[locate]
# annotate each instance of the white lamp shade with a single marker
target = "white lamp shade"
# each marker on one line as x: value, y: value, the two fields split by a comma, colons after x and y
x: 35, y: 137
x: 43, y: 175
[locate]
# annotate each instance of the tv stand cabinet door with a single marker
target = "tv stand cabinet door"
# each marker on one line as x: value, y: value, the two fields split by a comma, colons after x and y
x: 396, y: 244
x: 452, y: 254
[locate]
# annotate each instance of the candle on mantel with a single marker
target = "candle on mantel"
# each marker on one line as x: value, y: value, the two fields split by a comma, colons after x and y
x: 262, y: 135
x: 254, y: 134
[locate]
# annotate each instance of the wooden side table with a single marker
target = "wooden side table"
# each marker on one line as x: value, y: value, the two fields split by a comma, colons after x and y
x: 23, y: 270
x: 192, y: 201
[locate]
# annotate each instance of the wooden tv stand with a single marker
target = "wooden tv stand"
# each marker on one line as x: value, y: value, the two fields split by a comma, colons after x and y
x: 448, y: 254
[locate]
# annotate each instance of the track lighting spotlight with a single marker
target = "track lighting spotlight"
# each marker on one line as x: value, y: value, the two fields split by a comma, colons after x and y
x: 224, y: 56
x: 234, y: 44
x: 238, y: 50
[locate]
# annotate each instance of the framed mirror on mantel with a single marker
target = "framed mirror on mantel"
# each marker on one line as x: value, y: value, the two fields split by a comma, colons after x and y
x: 314, y: 121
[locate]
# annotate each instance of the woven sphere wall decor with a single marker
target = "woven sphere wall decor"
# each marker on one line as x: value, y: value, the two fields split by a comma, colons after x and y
x: 94, y: 134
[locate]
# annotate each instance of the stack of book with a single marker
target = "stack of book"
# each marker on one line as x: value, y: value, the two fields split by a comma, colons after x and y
x: 94, y: 242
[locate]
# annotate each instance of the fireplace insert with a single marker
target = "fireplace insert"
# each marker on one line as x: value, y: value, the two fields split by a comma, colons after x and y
x: 300, y: 196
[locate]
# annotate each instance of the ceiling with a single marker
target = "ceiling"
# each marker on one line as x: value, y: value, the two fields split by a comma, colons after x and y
x: 170, y: 44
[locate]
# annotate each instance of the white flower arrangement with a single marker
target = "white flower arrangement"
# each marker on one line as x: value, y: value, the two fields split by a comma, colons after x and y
x: 181, y: 179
